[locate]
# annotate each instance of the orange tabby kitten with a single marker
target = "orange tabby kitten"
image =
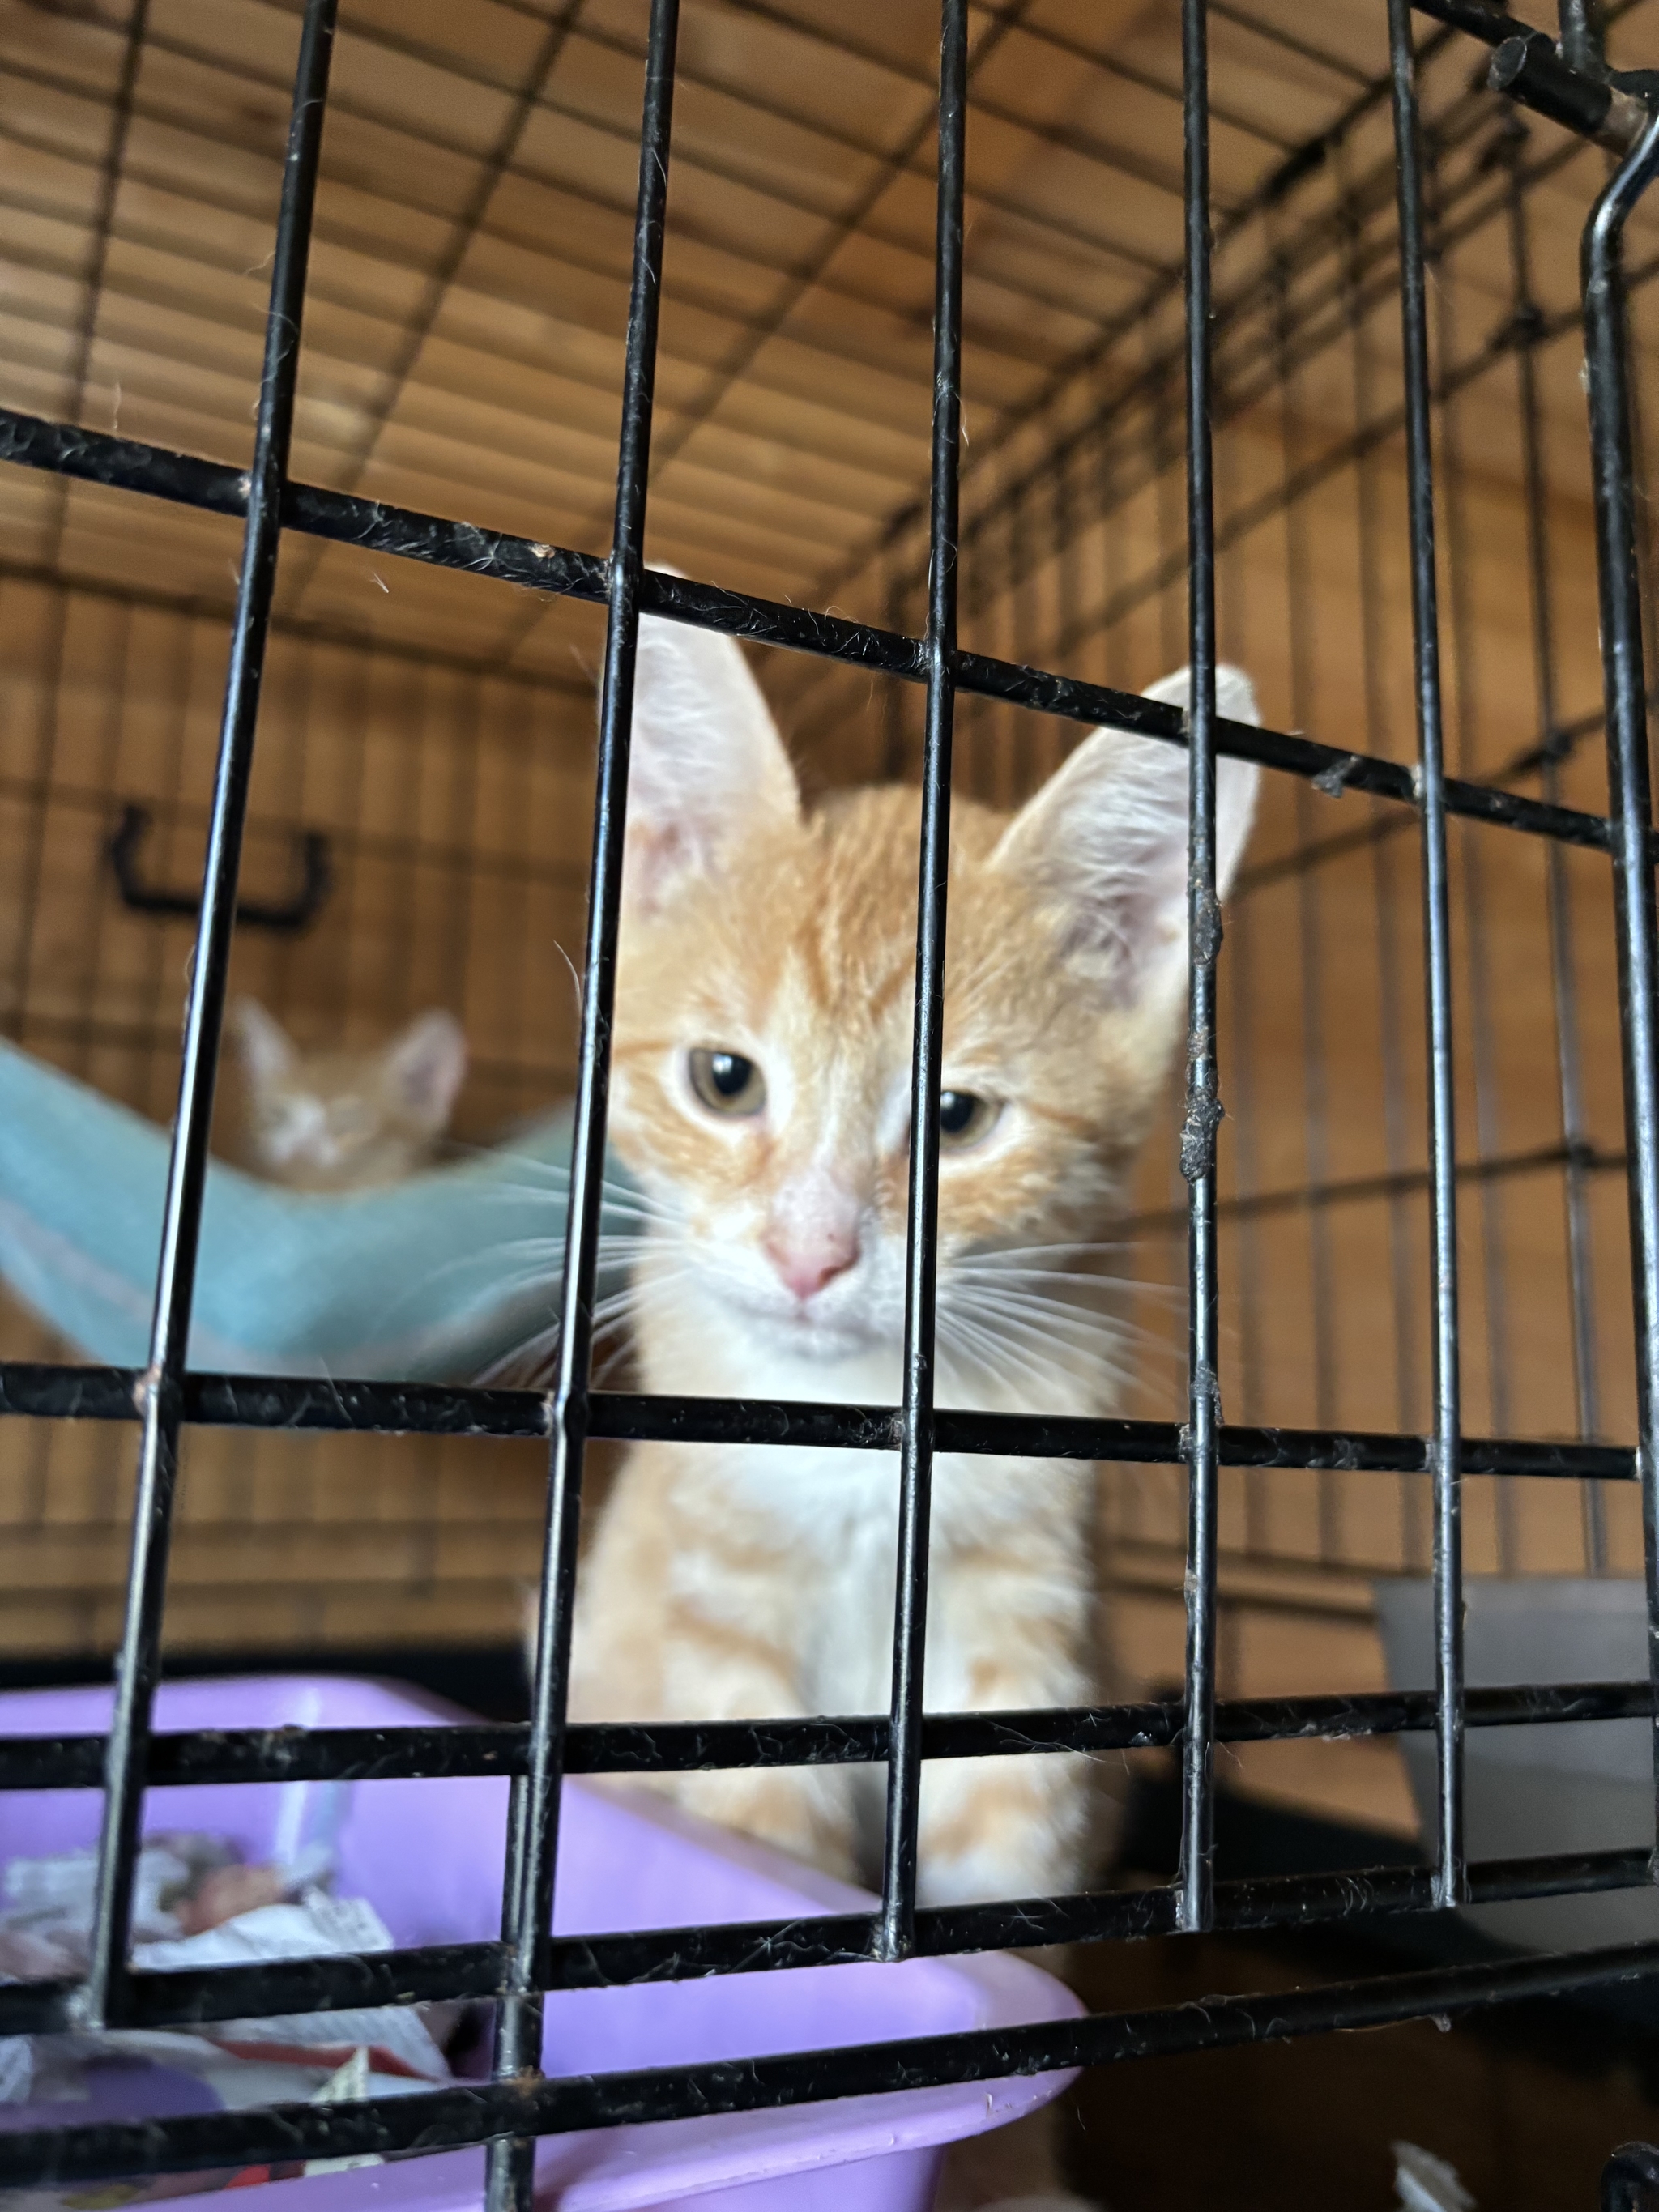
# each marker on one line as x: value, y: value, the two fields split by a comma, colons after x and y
x: 343, y: 1121
x: 761, y: 1099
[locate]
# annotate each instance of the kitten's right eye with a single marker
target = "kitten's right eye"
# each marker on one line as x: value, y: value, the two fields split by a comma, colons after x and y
x: 726, y: 1083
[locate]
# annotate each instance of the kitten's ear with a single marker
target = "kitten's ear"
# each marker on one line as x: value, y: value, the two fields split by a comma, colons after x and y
x: 266, y: 1048
x: 1105, y: 841
x: 707, y: 766
x: 427, y: 1063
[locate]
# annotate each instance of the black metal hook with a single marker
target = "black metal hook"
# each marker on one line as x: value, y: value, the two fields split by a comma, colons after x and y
x: 316, y: 880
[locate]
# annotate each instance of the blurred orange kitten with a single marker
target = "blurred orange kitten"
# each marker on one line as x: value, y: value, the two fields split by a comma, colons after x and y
x: 342, y: 1120
x: 761, y: 1097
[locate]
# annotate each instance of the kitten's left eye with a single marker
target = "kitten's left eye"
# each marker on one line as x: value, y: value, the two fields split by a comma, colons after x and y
x: 726, y: 1083
x: 964, y: 1117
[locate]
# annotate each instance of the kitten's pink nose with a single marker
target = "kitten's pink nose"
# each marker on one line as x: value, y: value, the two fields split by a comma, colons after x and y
x: 812, y: 1236
x: 806, y: 1262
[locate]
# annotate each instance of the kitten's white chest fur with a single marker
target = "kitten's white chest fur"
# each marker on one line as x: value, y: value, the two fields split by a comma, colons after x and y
x: 840, y: 1508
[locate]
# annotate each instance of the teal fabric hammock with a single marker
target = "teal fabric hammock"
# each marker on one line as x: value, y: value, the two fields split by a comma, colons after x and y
x: 435, y: 1279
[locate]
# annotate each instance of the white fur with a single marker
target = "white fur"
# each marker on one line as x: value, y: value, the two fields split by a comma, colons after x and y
x: 1107, y: 836
x: 706, y: 759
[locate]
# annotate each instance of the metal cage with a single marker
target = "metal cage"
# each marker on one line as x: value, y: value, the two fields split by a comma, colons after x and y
x: 1073, y: 471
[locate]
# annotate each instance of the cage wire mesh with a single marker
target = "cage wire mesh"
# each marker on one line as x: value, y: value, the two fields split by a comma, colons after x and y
x: 448, y: 778
x: 466, y: 340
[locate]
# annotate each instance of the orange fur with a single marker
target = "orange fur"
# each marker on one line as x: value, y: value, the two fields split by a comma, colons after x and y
x: 731, y: 1582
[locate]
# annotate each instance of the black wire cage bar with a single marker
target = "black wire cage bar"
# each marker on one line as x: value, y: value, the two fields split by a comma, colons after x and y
x: 1568, y: 81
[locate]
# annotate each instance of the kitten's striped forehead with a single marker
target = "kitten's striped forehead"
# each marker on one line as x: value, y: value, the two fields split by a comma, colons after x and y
x: 801, y: 953
x: 815, y: 928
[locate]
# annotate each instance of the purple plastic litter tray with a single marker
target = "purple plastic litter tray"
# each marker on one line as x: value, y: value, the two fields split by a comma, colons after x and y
x: 429, y: 1854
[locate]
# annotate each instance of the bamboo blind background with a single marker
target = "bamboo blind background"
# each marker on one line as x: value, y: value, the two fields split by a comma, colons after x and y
x: 463, y: 356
